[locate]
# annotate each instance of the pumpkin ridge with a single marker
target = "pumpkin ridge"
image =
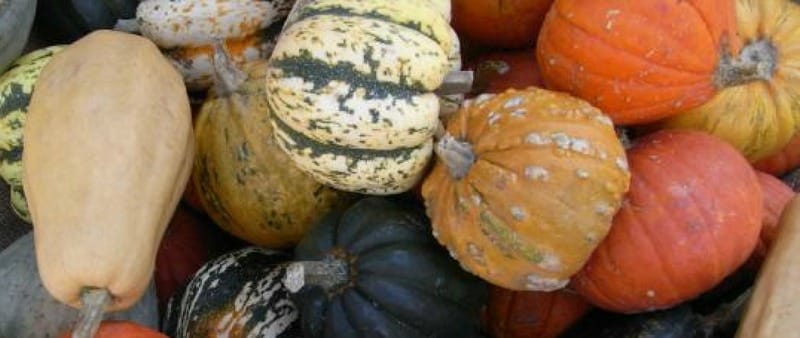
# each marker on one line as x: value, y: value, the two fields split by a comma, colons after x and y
x: 373, y: 305
x: 410, y: 284
x: 703, y: 18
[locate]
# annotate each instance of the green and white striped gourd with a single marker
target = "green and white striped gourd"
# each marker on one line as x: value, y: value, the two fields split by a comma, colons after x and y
x: 350, y: 85
x: 186, y: 31
x: 16, y: 87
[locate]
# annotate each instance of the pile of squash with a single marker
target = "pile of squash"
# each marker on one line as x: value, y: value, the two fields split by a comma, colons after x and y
x: 415, y: 168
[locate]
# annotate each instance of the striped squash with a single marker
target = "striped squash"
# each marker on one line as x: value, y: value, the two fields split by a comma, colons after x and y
x: 187, y: 29
x: 16, y: 87
x: 351, y: 84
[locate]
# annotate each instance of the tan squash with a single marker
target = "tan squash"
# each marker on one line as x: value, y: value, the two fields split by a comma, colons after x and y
x: 108, y: 150
x: 773, y: 310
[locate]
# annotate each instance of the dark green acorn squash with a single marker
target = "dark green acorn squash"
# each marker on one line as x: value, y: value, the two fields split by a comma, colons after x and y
x: 374, y: 270
x: 16, y: 18
x: 238, y: 294
x: 64, y: 21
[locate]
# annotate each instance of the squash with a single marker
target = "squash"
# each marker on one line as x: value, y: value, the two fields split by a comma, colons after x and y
x: 782, y: 162
x: 247, y: 184
x: 496, y: 71
x: 187, y: 29
x: 638, y: 61
x: 373, y: 270
x: 16, y: 87
x: 350, y: 86
x: 28, y: 311
x: 500, y: 148
x: 533, y: 314
x: 108, y: 151
x: 16, y: 20
x: 692, y: 216
x: 238, y: 294
x: 510, y: 24
x: 760, y: 85
x: 772, y: 310
x: 776, y: 195
x: 121, y: 329
x: 66, y: 21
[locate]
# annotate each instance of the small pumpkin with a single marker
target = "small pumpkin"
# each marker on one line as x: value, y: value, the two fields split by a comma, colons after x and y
x: 782, y: 162
x: 496, y: 71
x: 373, y: 270
x: 106, y: 160
x: 692, y: 216
x: 532, y: 314
x: 500, y: 148
x: 16, y: 87
x: 511, y: 24
x: 247, y: 184
x: 66, y: 21
x: 776, y: 195
x: 638, y: 61
x: 16, y: 20
x: 238, y: 294
x: 350, y: 86
x: 121, y: 329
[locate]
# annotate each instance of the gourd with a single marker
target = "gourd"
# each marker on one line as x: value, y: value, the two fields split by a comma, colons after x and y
x: 16, y: 87
x: 187, y: 29
x: 122, y: 329
x: 761, y: 84
x: 16, y: 20
x: 108, y: 151
x: 638, y: 61
x: 497, y: 150
x: 373, y: 270
x: 509, y: 24
x: 238, y: 294
x: 246, y: 183
x: 28, y: 311
x: 692, y: 216
x: 496, y: 71
x: 350, y: 87
x: 783, y: 161
x: 772, y: 310
x: 66, y: 21
x: 532, y: 314
x: 776, y: 195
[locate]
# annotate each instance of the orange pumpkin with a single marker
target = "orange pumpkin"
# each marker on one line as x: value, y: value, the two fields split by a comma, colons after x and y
x: 122, y: 329
x: 496, y: 71
x: 783, y: 161
x: 532, y: 314
x: 776, y: 195
x: 692, y: 216
x: 638, y: 61
x: 499, y: 24
x: 526, y: 186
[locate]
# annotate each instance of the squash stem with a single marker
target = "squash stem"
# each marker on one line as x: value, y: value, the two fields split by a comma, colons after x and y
x: 756, y: 62
x: 227, y: 78
x: 328, y: 274
x: 456, y: 155
x: 127, y: 25
x: 93, y: 305
x: 456, y: 82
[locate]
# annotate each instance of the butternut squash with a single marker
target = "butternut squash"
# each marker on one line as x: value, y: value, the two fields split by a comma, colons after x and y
x: 773, y: 310
x: 108, y: 150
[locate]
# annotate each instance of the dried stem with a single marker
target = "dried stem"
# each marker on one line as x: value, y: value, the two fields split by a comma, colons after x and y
x: 456, y: 155
x: 93, y: 305
x: 328, y: 274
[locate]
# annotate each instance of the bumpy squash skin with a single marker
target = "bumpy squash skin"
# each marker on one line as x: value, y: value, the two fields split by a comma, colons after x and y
x: 247, y: 184
x: 16, y: 19
x: 16, y: 87
x: 108, y: 151
x: 237, y: 295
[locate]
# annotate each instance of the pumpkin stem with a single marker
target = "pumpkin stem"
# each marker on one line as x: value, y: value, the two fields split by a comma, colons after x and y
x: 756, y: 62
x: 227, y: 77
x: 127, y: 25
x: 329, y: 274
x: 93, y: 304
x: 456, y: 82
x: 456, y: 155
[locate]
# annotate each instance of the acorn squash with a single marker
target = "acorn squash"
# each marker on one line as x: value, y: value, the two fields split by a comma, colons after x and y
x: 16, y: 19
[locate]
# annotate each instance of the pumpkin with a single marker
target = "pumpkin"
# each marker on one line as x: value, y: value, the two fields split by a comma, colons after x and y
x: 638, y: 61
x: 108, y: 150
x: 776, y: 195
x: 500, y: 148
x: 16, y: 87
x: 16, y: 17
x: 63, y: 21
x: 772, y: 310
x: 500, y: 24
x: 532, y: 314
x: 692, y: 216
x: 247, y: 184
x: 121, y: 329
x: 373, y: 270
x: 782, y: 162
x: 28, y: 311
x: 238, y: 294
x: 187, y: 30
x: 760, y: 85
x: 350, y: 87
x: 496, y: 71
